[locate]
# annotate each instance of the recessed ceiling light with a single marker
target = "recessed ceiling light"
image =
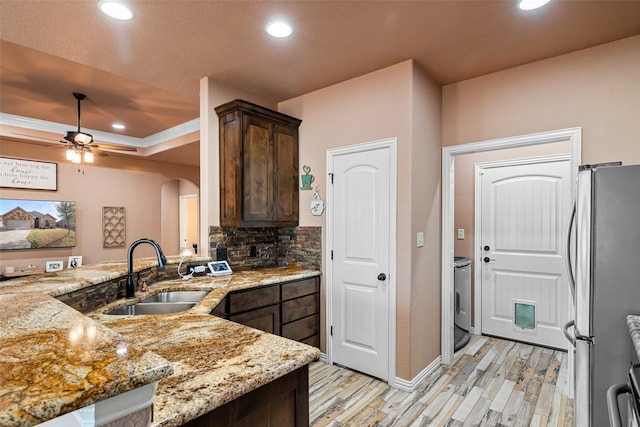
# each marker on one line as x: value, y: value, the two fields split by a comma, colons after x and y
x: 115, y: 10
x: 531, y: 4
x: 118, y: 126
x: 279, y: 29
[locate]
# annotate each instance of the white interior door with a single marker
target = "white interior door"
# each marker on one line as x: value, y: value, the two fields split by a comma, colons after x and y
x: 360, y: 292
x: 524, y: 215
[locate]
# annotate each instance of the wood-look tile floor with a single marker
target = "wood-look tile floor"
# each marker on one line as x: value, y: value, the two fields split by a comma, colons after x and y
x: 492, y: 382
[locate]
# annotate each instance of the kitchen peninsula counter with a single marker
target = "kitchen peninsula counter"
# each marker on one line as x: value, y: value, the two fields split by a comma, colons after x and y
x: 633, y: 322
x: 201, y: 361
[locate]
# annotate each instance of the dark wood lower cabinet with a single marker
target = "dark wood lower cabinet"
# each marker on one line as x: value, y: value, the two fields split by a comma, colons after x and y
x: 281, y: 403
x: 302, y: 328
x: 266, y: 319
x: 290, y: 309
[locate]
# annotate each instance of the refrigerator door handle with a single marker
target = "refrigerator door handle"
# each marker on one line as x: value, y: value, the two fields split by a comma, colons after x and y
x: 572, y: 279
x: 565, y: 330
x: 612, y: 403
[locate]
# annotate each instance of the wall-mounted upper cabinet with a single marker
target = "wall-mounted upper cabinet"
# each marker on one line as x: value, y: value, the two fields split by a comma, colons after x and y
x: 258, y: 166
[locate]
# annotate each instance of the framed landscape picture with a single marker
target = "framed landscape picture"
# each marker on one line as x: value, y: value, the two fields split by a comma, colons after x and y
x: 37, y: 224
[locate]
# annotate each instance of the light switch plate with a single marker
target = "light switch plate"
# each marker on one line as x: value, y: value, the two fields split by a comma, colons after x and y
x: 420, y: 239
x: 460, y: 233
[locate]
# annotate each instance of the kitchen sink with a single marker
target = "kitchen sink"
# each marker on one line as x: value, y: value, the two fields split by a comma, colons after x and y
x: 175, y: 297
x: 151, y: 308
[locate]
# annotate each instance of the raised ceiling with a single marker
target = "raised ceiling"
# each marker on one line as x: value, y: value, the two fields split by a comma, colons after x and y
x: 146, y: 72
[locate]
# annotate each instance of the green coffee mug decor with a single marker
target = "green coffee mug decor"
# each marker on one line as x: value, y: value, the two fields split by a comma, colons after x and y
x: 307, y: 178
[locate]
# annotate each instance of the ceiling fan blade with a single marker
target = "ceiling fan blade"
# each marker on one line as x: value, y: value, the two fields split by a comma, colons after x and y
x: 37, y: 137
x: 113, y: 147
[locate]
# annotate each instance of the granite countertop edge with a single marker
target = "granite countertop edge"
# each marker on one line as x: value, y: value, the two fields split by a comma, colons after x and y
x: 154, y: 357
x: 633, y: 322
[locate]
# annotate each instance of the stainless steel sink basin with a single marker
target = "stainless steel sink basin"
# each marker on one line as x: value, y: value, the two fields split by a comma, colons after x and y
x: 176, y: 296
x: 152, y: 308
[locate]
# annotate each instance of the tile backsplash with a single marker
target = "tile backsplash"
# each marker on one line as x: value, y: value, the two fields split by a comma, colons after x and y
x: 268, y: 247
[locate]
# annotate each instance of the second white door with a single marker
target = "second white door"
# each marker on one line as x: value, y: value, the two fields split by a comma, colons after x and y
x: 524, y: 213
x: 360, y: 265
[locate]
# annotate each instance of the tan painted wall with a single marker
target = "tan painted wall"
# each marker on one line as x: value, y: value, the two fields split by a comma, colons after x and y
x: 400, y: 102
x: 426, y: 119
x: 112, y: 181
x: 597, y: 89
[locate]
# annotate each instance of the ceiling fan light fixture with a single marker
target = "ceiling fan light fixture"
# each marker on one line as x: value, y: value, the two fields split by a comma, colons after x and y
x: 78, y: 137
x: 70, y: 153
x: 531, y: 4
x: 75, y: 157
x: 115, y: 10
x: 88, y: 155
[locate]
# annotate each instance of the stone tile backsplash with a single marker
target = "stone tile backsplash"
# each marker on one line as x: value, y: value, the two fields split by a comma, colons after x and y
x: 296, y: 246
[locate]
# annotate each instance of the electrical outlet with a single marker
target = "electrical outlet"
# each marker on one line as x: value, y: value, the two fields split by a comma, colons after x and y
x: 221, y: 254
x: 420, y: 239
x: 460, y: 233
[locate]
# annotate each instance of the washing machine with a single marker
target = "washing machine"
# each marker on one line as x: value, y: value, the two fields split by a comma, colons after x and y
x: 462, y: 301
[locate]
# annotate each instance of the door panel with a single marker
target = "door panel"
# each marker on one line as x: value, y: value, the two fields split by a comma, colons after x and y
x: 258, y: 169
x: 524, y: 214
x: 360, y: 302
x: 286, y: 147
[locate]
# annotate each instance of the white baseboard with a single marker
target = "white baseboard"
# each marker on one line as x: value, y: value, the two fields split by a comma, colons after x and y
x: 410, y: 386
x: 403, y: 384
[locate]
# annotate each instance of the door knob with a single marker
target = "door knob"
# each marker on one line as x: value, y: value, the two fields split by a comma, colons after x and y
x: 487, y: 259
x: 486, y: 248
x: 382, y: 276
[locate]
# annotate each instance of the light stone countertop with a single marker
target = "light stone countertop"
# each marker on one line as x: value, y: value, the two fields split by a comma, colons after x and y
x: 201, y: 361
x: 633, y: 322
x: 54, y: 360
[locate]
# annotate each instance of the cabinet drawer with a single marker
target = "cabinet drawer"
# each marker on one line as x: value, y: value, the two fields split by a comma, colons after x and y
x: 300, y: 307
x: 313, y: 341
x: 302, y: 328
x: 300, y: 288
x: 266, y: 319
x: 254, y: 298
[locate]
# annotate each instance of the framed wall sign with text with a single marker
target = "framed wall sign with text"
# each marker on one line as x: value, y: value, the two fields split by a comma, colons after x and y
x: 18, y: 173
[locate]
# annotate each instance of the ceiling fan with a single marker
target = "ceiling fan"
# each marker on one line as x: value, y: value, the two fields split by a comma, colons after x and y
x: 78, y: 137
x: 79, y: 144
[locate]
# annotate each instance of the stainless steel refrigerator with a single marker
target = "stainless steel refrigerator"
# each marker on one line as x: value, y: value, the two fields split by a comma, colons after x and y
x: 606, y: 283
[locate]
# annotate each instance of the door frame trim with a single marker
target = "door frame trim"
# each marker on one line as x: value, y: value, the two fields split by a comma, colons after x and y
x: 391, y: 144
x: 572, y: 135
x: 477, y: 229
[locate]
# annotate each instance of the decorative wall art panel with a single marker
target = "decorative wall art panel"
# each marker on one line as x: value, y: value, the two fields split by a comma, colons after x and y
x: 114, y: 227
